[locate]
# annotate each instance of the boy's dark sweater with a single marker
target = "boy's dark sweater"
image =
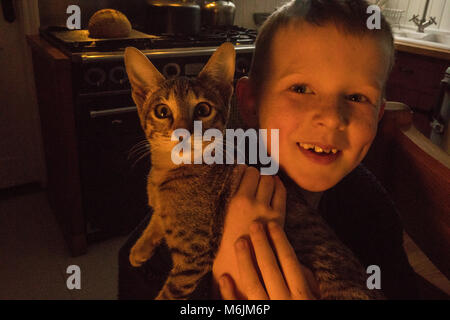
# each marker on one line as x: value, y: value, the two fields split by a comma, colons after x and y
x: 358, y: 209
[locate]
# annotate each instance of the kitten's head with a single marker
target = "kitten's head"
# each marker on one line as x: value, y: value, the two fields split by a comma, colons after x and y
x: 168, y: 104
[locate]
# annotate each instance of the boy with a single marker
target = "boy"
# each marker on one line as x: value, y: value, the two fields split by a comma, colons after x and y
x: 318, y: 75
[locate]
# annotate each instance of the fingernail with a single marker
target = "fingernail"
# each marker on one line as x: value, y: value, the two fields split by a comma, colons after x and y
x: 241, y: 244
x: 256, y: 227
x: 222, y: 281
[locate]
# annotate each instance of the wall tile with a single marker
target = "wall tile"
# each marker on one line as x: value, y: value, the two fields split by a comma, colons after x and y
x: 414, y: 7
x: 437, y: 8
x: 246, y: 8
x: 440, y: 9
x: 445, y: 20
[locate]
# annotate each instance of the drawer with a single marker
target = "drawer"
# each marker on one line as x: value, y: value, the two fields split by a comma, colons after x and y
x: 417, y: 72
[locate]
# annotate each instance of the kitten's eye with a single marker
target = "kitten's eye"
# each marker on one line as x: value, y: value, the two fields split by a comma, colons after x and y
x: 202, y: 110
x: 358, y: 98
x: 162, y: 111
x: 302, y: 89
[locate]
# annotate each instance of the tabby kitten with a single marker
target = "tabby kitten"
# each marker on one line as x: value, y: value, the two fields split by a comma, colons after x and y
x: 189, y: 201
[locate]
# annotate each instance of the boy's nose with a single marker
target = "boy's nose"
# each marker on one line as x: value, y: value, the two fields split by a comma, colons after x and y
x: 332, y: 116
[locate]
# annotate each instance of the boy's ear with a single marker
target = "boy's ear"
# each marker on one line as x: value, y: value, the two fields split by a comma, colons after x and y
x: 142, y: 74
x: 221, y: 65
x: 381, y: 111
x: 246, y: 100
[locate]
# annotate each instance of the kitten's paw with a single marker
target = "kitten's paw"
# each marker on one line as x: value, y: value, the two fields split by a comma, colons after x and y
x: 138, y: 256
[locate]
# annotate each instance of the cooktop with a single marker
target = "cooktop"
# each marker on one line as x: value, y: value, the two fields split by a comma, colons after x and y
x: 75, y: 41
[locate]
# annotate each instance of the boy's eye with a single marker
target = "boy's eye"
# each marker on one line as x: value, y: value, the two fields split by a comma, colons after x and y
x: 302, y: 89
x: 358, y: 98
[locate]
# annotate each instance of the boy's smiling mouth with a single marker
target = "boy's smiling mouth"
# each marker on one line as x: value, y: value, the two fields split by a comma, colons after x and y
x: 318, y: 153
x: 318, y: 148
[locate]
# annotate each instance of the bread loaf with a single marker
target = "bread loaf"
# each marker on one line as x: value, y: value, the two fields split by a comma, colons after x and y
x: 109, y: 23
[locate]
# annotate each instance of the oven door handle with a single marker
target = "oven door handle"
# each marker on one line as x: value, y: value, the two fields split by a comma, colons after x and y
x: 110, y: 112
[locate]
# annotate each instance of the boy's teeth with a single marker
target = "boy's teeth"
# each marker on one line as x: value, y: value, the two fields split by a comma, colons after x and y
x: 317, y: 148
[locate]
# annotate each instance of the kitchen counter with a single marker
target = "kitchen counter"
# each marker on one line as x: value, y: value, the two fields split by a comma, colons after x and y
x: 422, y: 50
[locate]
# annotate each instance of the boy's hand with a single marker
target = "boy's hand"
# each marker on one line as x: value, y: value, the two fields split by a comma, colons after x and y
x: 257, y: 198
x: 261, y: 198
x: 282, y: 275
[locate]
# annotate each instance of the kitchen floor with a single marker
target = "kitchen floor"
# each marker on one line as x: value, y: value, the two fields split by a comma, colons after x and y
x: 34, y: 257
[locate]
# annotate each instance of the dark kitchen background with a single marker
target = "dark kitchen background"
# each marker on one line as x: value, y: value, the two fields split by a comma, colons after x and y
x: 70, y: 192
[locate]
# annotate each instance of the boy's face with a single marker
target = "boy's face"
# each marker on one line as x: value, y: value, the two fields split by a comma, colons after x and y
x: 323, y: 89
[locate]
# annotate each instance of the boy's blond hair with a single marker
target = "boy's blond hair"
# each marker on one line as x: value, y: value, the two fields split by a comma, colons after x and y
x: 349, y: 16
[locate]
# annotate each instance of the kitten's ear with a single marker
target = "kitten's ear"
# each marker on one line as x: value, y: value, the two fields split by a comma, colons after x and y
x: 143, y: 75
x: 220, y: 66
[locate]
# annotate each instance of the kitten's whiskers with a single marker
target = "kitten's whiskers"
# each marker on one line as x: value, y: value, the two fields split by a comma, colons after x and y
x: 139, y: 150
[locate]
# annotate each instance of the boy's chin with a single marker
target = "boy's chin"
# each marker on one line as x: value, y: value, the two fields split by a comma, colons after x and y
x: 313, y: 183
x: 315, y: 187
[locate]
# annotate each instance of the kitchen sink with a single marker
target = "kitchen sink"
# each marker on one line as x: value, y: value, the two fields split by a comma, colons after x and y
x: 439, y: 38
x: 410, y: 34
x: 428, y: 38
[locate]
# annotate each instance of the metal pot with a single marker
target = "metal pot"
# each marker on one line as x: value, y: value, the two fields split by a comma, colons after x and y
x: 182, y: 17
x: 218, y: 13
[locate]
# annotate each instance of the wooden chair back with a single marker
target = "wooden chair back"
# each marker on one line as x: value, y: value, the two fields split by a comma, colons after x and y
x: 416, y: 173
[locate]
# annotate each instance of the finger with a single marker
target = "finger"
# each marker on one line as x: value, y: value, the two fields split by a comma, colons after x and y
x: 291, y: 267
x: 251, y: 284
x: 265, y: 189
x: 241, y: 168
x: 312, y: 282
x: 279, y: 198
x: 267, y: 262
x: 249, y: 182
x: 227, y: 288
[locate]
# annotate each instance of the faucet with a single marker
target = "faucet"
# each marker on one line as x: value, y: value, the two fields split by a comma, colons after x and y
x: 423, y: 23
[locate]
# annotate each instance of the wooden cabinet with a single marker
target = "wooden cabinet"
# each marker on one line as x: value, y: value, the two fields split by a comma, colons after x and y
x: 53, y: 79
x: 415, y: 80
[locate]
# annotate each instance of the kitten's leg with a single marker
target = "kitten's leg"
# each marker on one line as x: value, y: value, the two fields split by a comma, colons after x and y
x: 187, y: 272
x: 337, y: 270
x: 149, y: 240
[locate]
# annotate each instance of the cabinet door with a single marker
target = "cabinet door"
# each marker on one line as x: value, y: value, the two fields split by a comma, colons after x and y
x: 415, y: 80
x: 114, y: 175
x: 403, y: 94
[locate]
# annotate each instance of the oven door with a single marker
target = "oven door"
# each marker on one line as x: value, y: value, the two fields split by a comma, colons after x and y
x: 113, y: 176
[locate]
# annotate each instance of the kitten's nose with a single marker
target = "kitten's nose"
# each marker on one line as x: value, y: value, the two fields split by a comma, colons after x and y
x: 183, y: 124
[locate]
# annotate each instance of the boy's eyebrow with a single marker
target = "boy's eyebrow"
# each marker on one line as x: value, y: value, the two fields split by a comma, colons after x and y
x: 290, y: 73
x: 376, y: 85
x: 297, y: 69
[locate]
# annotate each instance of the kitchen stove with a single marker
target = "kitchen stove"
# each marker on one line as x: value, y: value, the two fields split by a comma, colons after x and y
x: 98, y: 63
x: 113, y: 176
x: 75, y: 41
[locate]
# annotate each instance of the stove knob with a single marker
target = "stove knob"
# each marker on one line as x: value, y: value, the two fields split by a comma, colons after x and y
x: 118, y: 75
x: 171, y: 70
x: 95, y: 77
x: 242, y: 66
